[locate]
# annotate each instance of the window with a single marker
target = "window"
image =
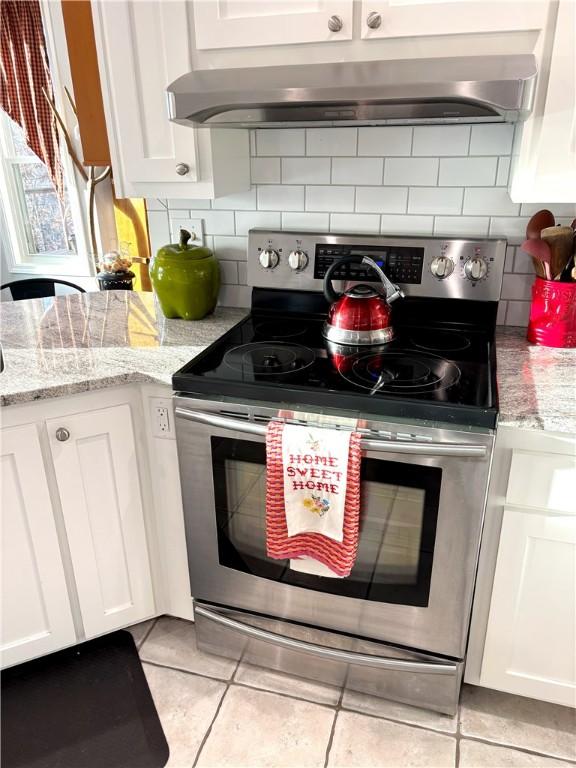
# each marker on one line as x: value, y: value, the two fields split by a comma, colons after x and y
x: 45, y: 233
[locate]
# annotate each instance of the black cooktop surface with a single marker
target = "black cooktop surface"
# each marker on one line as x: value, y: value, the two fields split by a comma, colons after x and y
x: 442, y: 374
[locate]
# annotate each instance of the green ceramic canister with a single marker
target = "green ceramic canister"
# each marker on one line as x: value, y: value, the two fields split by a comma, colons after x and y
x: 186, y: 279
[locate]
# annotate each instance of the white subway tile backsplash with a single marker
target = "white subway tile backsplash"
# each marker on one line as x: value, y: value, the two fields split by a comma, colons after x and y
x: 450, y: 180
x: 306, y: 170
x: 234, y: 296
x: 518, y: 313
x: 228, y: 272
x: 461, y: 225
x: 239, y: 201
x: 391, y: 141
x: 523, y: 263
x: 467, y: 171
x: 156, y: 204
x: 435, y: 200
x: 489, y: 201
x: 509, y: 259
x: 280, y: 197
x: 280, y: 141
x: 438, y: 140
x: 517, y: 287
x: 406, y: 225
x: 265, y: 170
x: 503, y: 171
x: 215, y: 222
x: 331, y: 199
x: 558, y: 209
x: 158, y: 229
x: 242, y: 273
x: 230, y: 247
x: 357, y: 170
x: 331, y: 142
x: 381, y: 199
x: 246, y: 220
x: 309, y: 222
x: 411, y: 171
x: 501, y: 313
x: 187, y: 204
x: 354, y: 222
x: 511, y: 227
x: 494, y: 139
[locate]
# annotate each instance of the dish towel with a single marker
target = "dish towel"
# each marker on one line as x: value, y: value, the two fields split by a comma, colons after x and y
x: 312, y: 497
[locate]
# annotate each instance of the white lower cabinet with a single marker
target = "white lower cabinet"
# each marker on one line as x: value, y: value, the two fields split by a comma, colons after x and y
x: 530, y: 641
x: 523, y: 634
x: 97, y: 475
x: 35, y: 612
x: 76, y: 561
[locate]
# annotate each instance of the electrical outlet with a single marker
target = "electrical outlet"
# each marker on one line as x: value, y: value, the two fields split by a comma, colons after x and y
x: 162, y: 416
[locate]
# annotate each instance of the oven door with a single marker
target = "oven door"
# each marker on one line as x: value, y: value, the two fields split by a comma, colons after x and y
x: 422, y: 502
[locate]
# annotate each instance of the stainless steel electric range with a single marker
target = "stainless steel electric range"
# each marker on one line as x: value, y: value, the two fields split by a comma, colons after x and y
x: 426, y: 405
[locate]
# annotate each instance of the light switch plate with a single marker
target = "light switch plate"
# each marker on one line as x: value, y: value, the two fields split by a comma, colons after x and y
x: 194, y: 226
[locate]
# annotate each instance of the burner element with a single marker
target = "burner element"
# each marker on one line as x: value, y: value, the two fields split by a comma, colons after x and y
x: 273, y: 329
x: 441, y: 341
x: 401, y: 373
x: 265, y: 359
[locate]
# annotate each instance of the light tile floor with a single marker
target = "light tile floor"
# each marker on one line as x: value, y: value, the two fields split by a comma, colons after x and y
x: 219, y: 713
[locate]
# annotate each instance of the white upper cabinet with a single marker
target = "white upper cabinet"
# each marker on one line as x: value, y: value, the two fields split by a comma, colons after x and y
x: 97, y: 474
x: 245, y: 23
x: 417, y: 18
x: 142, y: 47
x: 35, y: 608
x: 545, y: 162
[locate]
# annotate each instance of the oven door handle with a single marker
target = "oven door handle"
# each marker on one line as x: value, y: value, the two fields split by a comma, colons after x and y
x: 324, y: 652
x: 368, y: 444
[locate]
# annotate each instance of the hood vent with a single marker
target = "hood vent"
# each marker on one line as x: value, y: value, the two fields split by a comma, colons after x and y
x: 451, y: 90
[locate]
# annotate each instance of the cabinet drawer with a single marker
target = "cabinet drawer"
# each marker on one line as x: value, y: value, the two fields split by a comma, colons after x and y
x: 542, y: 481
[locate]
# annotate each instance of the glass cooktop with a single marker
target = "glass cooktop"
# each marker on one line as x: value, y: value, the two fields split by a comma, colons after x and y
x: 439, y: 374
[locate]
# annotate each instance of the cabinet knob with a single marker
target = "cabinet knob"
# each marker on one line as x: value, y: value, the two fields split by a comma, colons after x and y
x: 373, y: 20
x: 335, y: 23
x: 62, y: 434
x: 182, y: 169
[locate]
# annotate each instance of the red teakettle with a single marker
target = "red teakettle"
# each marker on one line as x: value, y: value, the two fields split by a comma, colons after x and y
x: 360, y: 315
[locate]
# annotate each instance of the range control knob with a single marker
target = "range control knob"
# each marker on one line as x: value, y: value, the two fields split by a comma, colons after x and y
x: 442, y: 267
x: 475, y: 268
x: 269, y: 258
x: 298, y: 260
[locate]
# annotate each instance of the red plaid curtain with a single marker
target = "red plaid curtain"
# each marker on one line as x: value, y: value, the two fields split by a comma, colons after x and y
x: 24, y: 72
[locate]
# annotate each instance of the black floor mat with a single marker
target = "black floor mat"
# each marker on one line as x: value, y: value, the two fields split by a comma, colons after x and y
x: 84, y: 707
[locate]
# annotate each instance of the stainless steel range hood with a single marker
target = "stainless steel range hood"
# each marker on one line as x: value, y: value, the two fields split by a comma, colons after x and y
x: 450, y: 90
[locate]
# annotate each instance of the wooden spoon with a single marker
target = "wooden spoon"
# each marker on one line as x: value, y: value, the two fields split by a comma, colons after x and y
x: 539, y: 250
x: 538, y: 222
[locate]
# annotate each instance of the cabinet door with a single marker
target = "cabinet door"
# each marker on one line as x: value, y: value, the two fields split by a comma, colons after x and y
x: 35, y: 610
x: 545, y: 167
x: 143, y: 47
x: 418, y: 18
x: 531, y: 633
x: 97, y: 475
x: 245, y: 23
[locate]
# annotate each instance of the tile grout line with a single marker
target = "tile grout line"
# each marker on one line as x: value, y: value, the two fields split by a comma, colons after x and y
x: 209, y: 730
x: 457, y: 735
x: 146, y: 634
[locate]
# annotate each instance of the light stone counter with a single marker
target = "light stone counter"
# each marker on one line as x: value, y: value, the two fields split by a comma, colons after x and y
x: 54, y: 347
x: 85, y: 341
x: 536, y: 385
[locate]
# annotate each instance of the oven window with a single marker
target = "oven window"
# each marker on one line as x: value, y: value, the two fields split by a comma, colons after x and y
x: 399, y: 511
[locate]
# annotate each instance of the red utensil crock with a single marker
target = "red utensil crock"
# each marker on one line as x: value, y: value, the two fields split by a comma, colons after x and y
x: 553, y: 314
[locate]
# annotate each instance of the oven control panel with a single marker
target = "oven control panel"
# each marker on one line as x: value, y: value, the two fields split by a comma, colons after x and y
x: 434, y: 267
x: 402, y: 264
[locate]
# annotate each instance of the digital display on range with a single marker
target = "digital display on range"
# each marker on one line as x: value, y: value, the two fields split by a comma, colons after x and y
x: 402, y: 264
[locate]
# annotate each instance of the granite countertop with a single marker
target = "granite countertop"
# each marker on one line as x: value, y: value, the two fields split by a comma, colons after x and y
x: 60, y: 346
x: 85, y: 341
